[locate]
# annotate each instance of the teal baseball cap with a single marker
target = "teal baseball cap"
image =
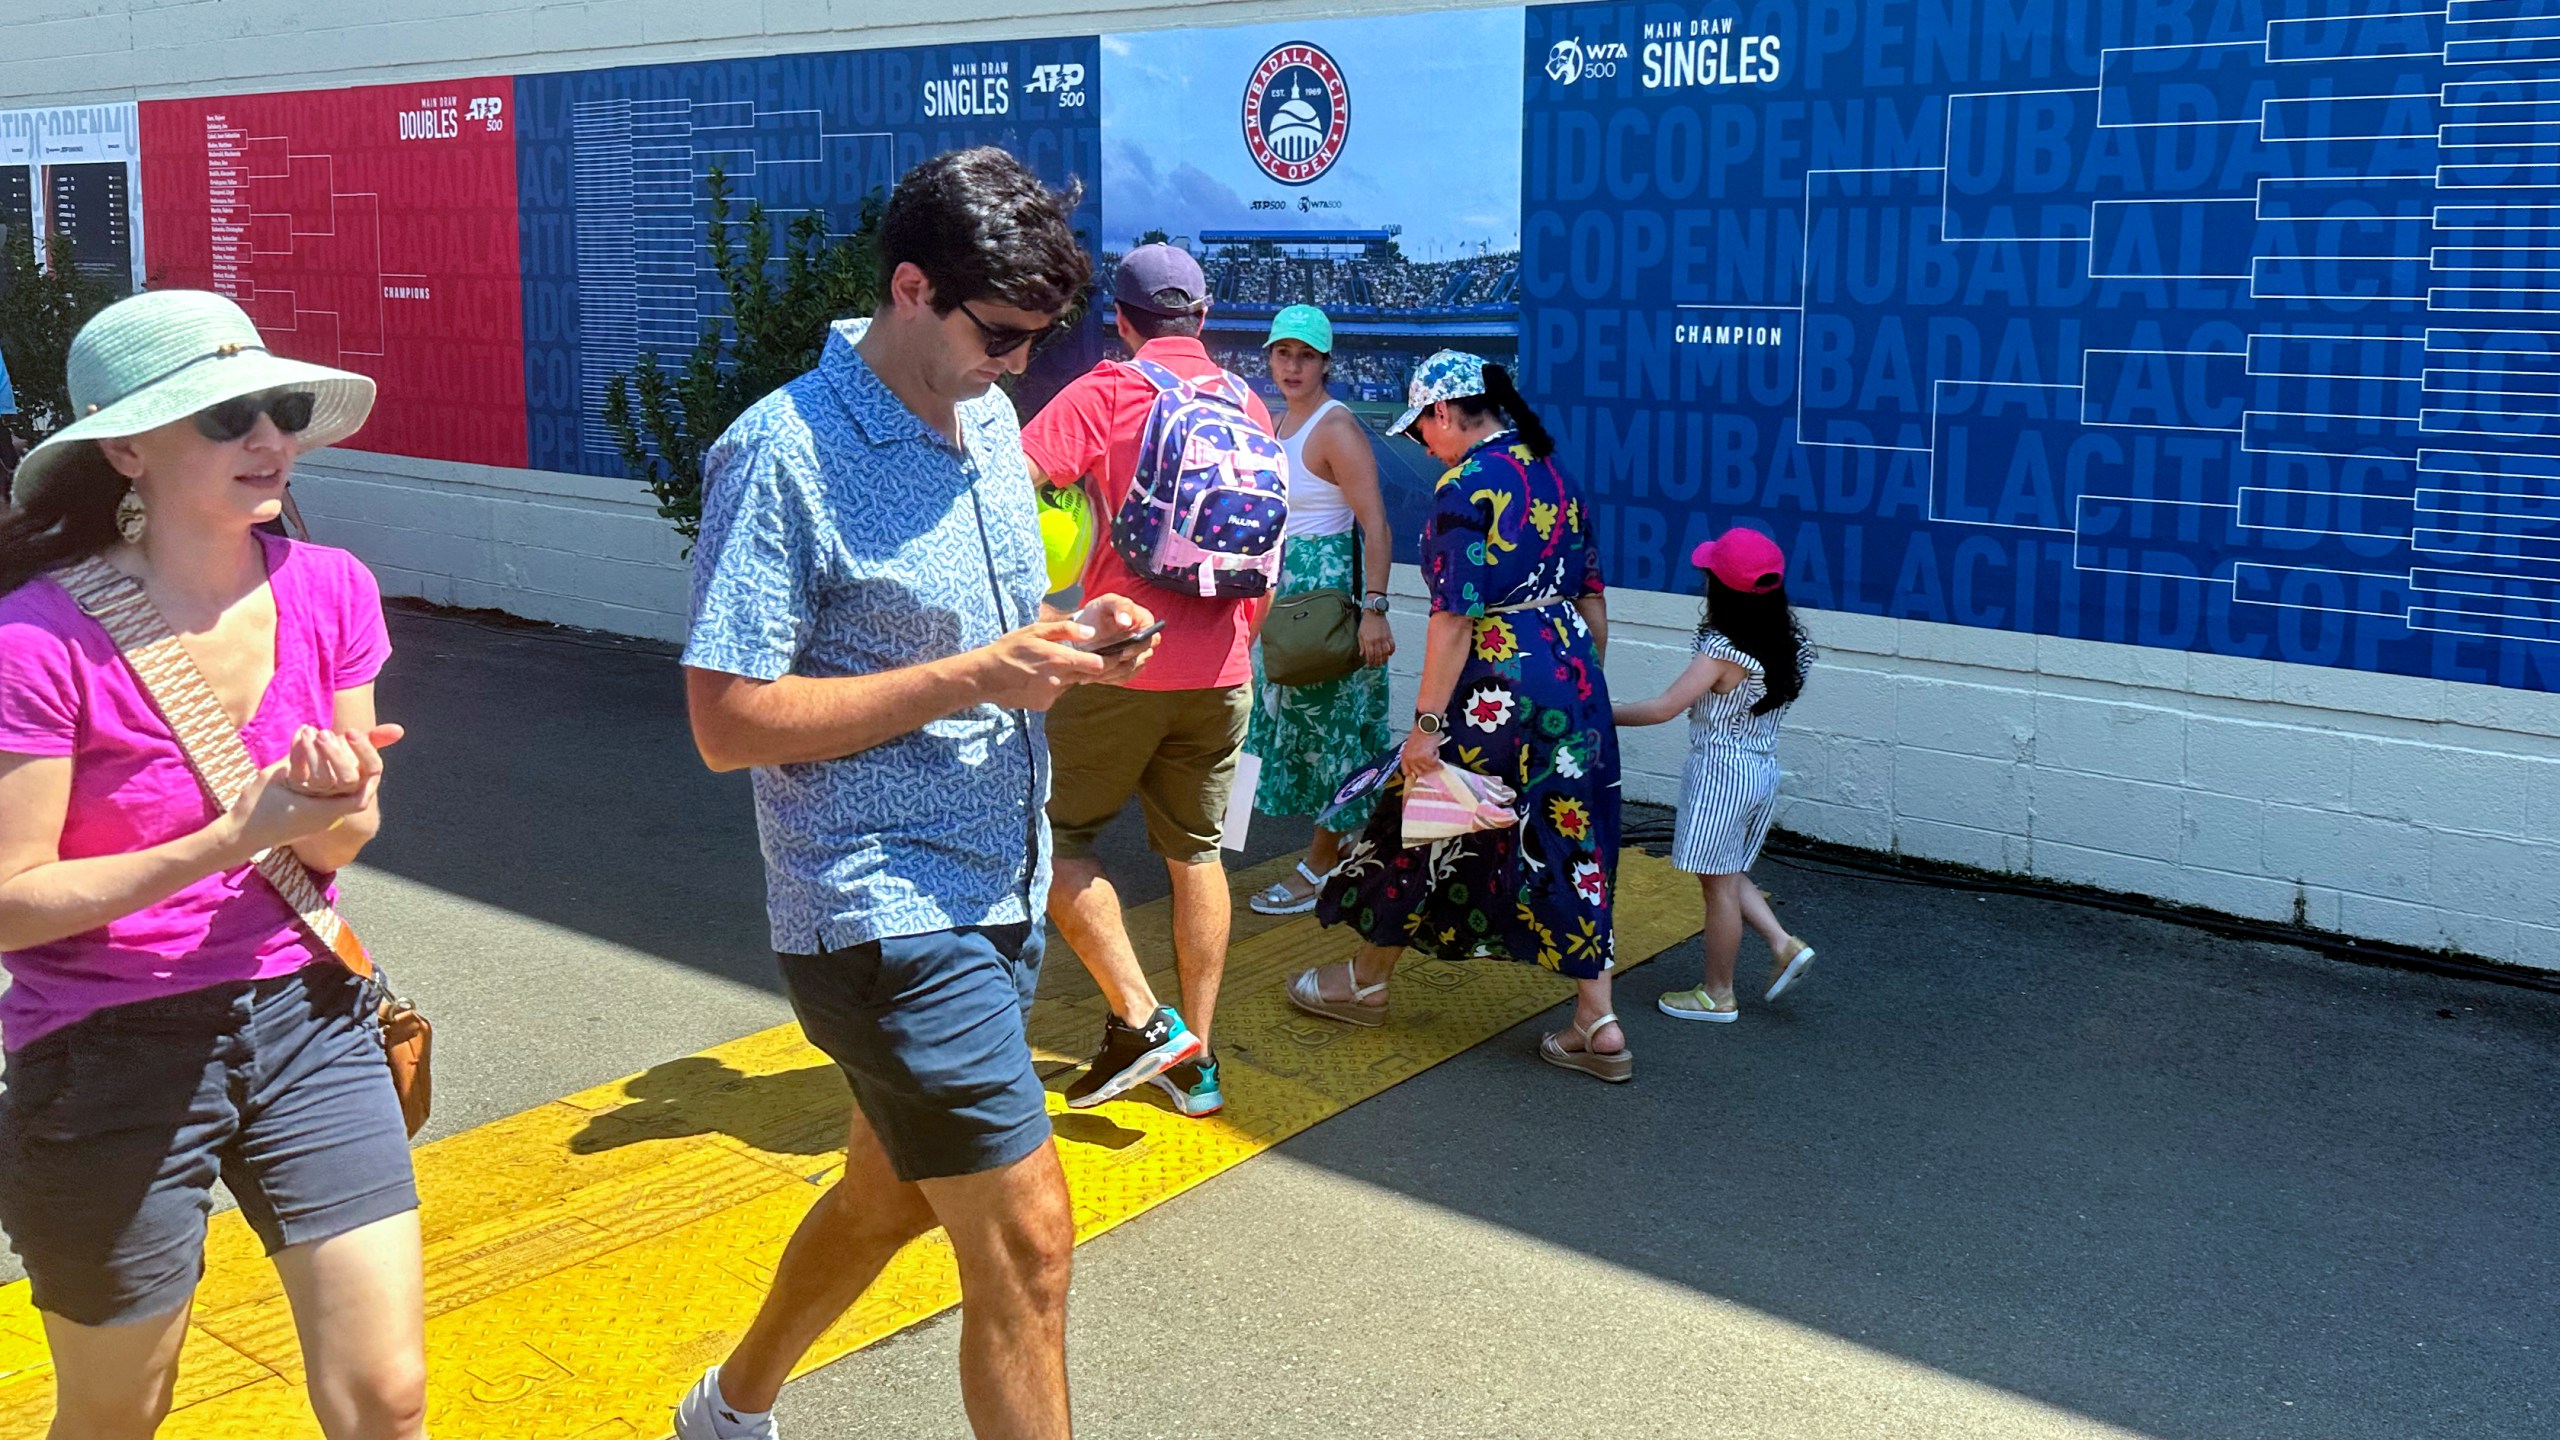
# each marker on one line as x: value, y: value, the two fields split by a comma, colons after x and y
x: 1305, y: 324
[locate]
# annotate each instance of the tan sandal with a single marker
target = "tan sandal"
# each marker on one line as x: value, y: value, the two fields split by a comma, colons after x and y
x: 1617, y: 1068
x: 1790, y: 970
x: 1697, y: 1004
x: 1306, y: 992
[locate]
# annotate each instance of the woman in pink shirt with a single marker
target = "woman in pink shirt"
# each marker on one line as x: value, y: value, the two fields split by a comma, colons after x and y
x: 169, y: 1020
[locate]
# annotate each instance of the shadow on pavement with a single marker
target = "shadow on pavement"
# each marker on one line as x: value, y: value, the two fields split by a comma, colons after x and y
x: 2181, y: 1185
x: 562, y: 784
x: 789, y: 1112
x: 792, y: 1112
x: 551, y: 773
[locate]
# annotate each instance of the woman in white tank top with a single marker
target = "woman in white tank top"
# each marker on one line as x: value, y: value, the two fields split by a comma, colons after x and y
x: 1310, y: 738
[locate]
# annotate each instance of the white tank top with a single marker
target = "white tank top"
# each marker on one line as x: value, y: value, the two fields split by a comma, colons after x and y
x: 1317, y: 506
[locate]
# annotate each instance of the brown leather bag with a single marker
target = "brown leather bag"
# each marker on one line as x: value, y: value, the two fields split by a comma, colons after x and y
x: 410, y: 1043
x: 224, y: 767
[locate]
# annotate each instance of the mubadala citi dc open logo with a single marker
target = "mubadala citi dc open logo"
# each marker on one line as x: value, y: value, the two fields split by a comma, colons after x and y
x: 1297, y: 113
x: 1571, y: 62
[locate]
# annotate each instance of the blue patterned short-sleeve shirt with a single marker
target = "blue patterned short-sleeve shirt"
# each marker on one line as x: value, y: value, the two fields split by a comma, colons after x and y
x: 842, y: 535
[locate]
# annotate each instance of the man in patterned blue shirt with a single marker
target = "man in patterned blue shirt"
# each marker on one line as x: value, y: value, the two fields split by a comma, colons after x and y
x: 868, y: 639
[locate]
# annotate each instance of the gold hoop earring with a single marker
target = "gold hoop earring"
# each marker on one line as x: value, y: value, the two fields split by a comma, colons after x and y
x: 129, y: 518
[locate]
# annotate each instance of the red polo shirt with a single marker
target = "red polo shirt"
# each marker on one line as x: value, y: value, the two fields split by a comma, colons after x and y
x: 1091, y: 431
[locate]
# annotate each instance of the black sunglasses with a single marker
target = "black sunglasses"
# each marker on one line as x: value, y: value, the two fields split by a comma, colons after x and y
x: 1003, y: 340
x: 228, y: 421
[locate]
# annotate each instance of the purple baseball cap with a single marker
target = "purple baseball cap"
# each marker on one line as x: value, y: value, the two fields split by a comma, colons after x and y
x: 1151, y: 268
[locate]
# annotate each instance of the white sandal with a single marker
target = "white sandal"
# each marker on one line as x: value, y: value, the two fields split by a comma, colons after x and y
x: 1617, y: 1067
x: 1306, y: 992
x: 1276, y: 900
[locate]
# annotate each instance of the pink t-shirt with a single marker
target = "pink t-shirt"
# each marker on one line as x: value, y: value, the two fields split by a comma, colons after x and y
x: 65, y: 691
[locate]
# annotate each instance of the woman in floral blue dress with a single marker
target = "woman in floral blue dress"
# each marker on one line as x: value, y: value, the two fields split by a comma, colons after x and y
x: 1511, y: 688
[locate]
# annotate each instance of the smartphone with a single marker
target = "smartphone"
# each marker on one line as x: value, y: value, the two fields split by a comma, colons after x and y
x: 1125, y: 642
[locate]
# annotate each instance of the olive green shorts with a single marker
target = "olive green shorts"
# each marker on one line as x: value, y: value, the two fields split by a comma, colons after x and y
x: 1174, y: 749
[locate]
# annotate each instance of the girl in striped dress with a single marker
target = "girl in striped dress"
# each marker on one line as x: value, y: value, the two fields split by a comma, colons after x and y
x: 1750, y: 666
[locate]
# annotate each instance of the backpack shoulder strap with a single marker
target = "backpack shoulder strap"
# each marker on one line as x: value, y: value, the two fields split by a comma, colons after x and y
x: 1154, y: 374
x: 212, y: 744
x: 1223, y: 388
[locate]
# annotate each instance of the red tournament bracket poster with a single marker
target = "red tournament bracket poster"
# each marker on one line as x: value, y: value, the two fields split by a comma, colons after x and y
x: 371, y: 229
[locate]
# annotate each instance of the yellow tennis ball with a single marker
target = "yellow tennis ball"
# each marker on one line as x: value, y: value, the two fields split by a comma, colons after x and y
x: 1066, y: 534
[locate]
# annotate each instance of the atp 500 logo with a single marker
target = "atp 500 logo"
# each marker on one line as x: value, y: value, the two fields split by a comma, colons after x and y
x: 1571, y: 62
x: 1066, y: 82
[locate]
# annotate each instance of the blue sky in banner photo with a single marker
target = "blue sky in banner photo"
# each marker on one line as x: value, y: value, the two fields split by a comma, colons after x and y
x: 1430, y: 151
x: 1433, y: 144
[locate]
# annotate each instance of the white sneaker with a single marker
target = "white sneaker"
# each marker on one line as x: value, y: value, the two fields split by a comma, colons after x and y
x: 703, y: 1415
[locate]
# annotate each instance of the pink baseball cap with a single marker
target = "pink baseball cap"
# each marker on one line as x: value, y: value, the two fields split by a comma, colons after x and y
x: 1746, y: 560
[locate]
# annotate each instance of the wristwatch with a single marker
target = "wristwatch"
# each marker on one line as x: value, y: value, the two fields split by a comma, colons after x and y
x: 1375, y: 603
x: 1431, y: 722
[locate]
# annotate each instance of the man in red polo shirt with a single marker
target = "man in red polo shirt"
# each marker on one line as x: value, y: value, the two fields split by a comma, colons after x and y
x: 1170, y: 736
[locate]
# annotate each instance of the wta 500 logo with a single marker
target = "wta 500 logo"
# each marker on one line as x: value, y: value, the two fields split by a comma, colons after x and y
x: 1571, y: 62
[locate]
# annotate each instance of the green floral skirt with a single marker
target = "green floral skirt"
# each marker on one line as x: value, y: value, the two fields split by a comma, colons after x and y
x: 1312, y: 737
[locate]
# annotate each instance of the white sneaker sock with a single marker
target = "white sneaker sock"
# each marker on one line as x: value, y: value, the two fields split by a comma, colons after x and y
x: 731, y: 1423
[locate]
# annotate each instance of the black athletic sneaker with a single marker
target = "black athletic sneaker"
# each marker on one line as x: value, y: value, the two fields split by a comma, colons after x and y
x: 1130, y: 1058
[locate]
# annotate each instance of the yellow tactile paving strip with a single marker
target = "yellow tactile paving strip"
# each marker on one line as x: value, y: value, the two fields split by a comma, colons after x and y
x: 587, y: 1258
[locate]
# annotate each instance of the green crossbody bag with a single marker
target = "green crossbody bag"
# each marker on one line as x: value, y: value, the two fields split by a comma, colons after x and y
x: 1311, y: 638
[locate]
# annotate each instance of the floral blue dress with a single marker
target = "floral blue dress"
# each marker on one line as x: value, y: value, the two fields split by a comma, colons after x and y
x: 1509, y: 542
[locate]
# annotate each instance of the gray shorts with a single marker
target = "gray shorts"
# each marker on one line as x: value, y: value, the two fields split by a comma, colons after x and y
x: 115, y: 1127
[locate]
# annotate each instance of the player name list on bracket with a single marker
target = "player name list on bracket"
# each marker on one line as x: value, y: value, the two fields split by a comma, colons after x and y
x: 226, y: 154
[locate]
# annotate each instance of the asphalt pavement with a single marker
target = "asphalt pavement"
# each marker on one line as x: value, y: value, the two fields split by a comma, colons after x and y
x: 2004, y: 1165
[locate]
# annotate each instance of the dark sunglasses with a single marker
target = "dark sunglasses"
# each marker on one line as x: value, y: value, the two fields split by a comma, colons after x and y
x: 1003, y: 340
x: 228, y: 421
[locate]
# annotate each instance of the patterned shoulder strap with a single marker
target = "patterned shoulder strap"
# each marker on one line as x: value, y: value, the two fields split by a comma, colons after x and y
x: 1222, y: 388
x: 214, y: 749
x: 1158, y: 376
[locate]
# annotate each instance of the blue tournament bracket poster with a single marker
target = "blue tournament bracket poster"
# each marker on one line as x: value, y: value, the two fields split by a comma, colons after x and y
x: 2230, y: 328
x: 611, y: 165
x: 1370, y: 166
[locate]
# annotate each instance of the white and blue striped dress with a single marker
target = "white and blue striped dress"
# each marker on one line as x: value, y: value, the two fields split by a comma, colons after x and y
x: 1729, y: 793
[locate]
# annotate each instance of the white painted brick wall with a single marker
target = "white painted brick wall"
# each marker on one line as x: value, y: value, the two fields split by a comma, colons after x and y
x: 565, y: 548
x: 2241, y: 786
x: 2415, y: 811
